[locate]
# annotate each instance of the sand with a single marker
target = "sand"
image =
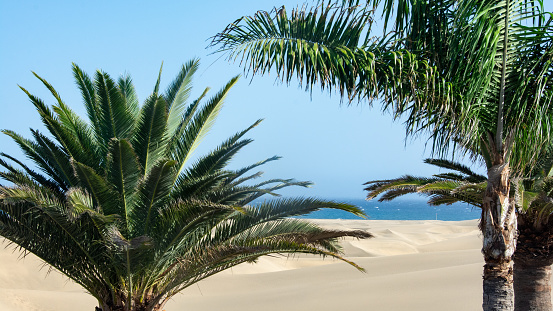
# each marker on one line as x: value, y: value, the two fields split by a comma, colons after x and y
x: 410, y: 265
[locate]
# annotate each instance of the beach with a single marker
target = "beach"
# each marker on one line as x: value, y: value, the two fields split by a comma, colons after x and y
x: 409, y: 265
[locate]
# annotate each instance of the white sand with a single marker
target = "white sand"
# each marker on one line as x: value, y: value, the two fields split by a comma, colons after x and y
x: 410, y: 265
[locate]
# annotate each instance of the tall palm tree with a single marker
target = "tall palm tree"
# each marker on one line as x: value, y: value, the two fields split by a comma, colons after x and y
x: 118, y: 206
x: 474, y: 74
x: 496, y: 55
x: 534, y: 198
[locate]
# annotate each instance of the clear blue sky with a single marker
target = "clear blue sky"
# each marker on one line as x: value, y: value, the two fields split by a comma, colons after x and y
x: 335, y: 146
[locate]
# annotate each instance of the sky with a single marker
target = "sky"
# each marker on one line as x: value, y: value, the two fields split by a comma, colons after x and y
x: 336, y: 146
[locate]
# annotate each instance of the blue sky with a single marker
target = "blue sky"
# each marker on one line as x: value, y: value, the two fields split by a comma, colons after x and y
x: 336, y: 146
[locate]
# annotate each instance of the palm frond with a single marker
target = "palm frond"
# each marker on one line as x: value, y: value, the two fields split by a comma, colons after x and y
x: 315, y: 45
x: 175, y: 143
x: 451, y: 165
x: 200, y: 126
x: 85, y: 150
x: 405, y: 184
x: 18, y: 176
x: 128, y: 94
x: 177, y: 95
x: 56, y: 158
x: 494, y: 58
x: 101, y: 191
x: 124, y: 174
x: 154, y: 192
x: 90, y: 98
x: 151, y: 132
x: 31, y: 150
x: 446, y: 188
x: 280, y: 208
x: 115, y: 119
x: 280, y: 184
x: 47, y: 233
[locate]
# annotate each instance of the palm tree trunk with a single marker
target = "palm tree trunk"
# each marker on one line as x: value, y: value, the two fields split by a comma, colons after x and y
x: 498, y: 225
x: 532, y: 268
x: 498, y: 221
x: 134, y: 308
x: 532, y: 287
x: 137, y: 306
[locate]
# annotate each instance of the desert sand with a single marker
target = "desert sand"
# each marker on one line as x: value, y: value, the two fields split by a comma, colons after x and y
x: 410, y: 265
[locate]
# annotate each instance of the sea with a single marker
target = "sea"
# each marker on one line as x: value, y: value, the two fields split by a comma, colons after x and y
x: 401, y: 209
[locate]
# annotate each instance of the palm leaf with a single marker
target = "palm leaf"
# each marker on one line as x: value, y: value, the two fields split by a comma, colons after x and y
x: 124, y: 174
x: 314, y: 46
x: 47, y: 234
x: 443, y: 163
x: 61, y: 134
x: 89, y: 95
x: 128, y: 93
x: 154, y: 192
x: 31, y: 150
x: 151, y: 131
x: 56, y: 158
x: 177, y: 95
x: 200, y: 126
x: 101, y: 191
x: 280, y: 208
x: 20, y: 178
x: 405, y: 184
x: 86, y: 150
x: 115, y: 119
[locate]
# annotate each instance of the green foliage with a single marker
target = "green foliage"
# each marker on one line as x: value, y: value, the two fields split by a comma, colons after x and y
x: 533, y: 194
x: 117, y: 206
x: 462, y: 185
x: 496, y: 58
x: 327, y: 44
x: 468, y: 73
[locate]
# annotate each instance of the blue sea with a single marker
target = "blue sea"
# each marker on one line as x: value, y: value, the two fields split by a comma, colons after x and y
x: 401, y: 209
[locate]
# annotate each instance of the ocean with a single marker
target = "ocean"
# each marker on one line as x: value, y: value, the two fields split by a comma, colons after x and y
x: 401, y: 209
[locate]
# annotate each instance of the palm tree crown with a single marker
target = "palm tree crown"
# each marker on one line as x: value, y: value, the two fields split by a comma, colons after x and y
x: 494, y: 60
x: 117, y: 206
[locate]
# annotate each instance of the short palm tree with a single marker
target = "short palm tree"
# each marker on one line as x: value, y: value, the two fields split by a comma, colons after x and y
x: 476, y: 74
x: 534, y: 199
x: 117, y: 206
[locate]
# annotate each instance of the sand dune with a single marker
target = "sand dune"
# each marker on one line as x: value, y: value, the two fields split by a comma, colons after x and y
x: 410, y: 265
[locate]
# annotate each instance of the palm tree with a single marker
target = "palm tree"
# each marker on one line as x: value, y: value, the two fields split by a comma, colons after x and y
x: 534, y: 198
x: 117, y: 206
x: 496, y: 55
x: 472, y: 74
